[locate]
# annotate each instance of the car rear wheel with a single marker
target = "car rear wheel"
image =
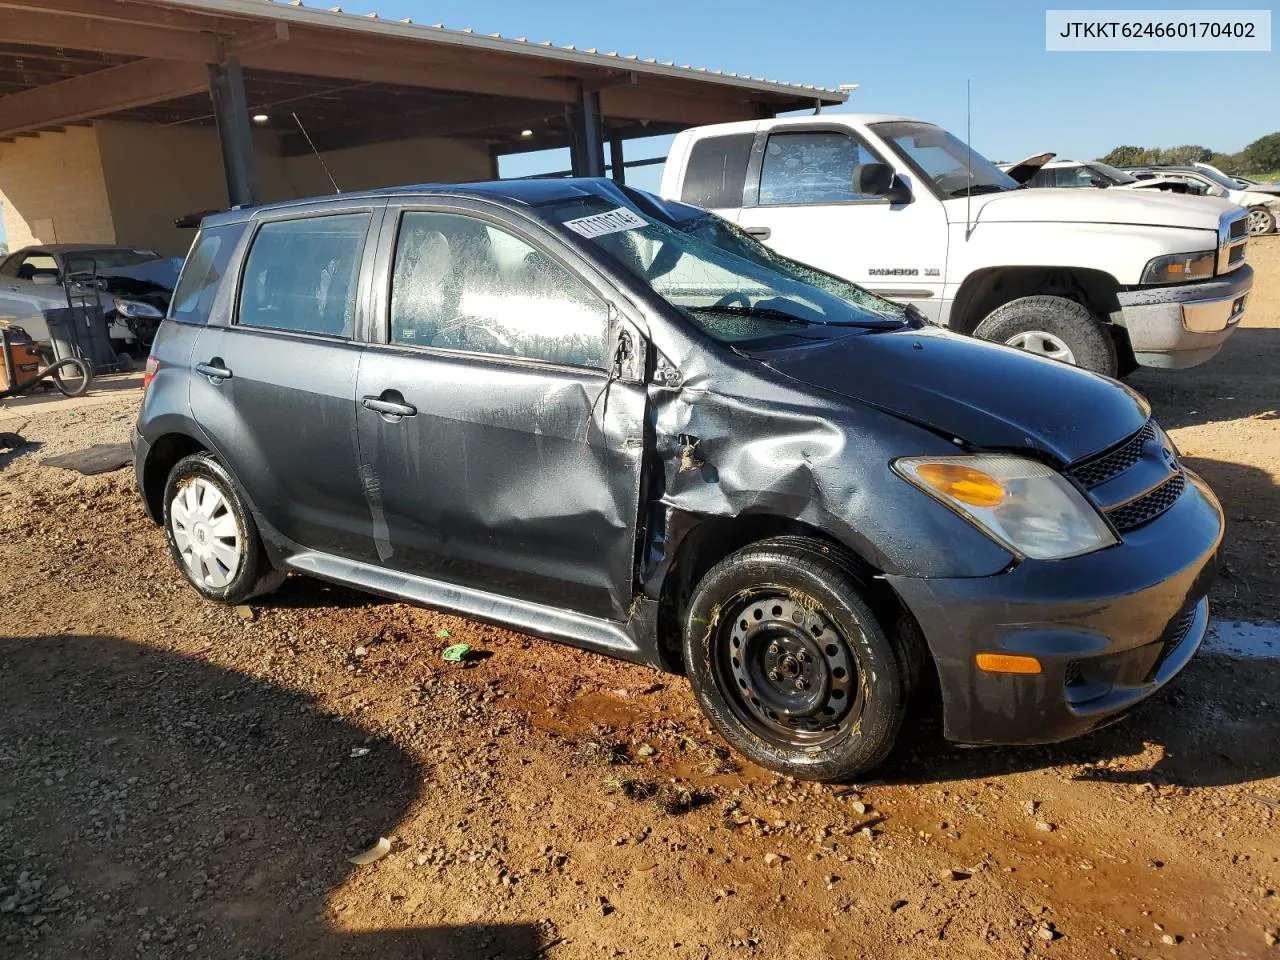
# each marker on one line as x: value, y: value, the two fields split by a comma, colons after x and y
x: 1261, y: 221
x: 212, y: 535
x: 1052, y: 327
x: 789, y: 663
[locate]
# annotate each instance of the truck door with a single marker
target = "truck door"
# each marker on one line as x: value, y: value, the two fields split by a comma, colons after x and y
x: 800, y: 200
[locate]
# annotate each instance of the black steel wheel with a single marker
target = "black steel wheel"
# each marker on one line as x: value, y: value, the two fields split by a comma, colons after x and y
x: 790, y: 664
x: 787, y: 670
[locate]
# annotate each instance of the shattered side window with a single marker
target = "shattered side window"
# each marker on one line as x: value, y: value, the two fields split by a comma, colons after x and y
x: 461, y: 283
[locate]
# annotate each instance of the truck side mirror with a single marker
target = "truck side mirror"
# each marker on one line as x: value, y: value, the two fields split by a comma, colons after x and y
x: 879, y: 180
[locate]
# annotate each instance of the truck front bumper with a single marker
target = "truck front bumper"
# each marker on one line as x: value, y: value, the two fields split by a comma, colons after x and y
x: 1109, y: 629
x: 1181, y: 326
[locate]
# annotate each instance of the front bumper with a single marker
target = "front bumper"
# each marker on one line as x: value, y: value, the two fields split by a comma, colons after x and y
x: 1182, y: 326
x: 1109, y: 629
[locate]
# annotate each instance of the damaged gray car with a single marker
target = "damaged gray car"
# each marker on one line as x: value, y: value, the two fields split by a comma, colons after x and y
x: 574, y: 409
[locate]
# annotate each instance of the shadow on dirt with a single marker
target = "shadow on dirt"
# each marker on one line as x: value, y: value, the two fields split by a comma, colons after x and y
x: 156, y: 805
x: 1238, y: 383
x: 1215, y: 725
x: 308, y: 593
x: 13, y: 446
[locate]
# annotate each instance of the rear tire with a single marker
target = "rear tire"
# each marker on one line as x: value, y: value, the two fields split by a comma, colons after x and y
x: 791, y: 666
x: 1053, y: 327
x: 212, y: 535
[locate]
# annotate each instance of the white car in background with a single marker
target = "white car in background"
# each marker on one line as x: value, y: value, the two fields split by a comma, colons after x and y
x: 1263, y: 206
x: 1256, y: 186
x: 1093, y: 173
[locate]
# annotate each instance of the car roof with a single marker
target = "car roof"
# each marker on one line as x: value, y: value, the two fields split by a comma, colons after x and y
x: 530, y: 193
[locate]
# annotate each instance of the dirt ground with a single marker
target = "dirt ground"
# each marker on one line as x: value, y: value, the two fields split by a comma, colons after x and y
x: 184, y: 780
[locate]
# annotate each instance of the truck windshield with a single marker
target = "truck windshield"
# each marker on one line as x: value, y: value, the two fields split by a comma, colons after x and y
x: 728, y: 284
x: 941, y: 158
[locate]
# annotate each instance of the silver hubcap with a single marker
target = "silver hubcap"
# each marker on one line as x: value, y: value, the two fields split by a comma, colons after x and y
x: 206, y: 532
x: 1044, y: 344
x: 1259, y: 222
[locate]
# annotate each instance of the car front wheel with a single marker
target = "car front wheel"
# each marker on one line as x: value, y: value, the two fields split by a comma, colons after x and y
x: 212, y: 535
x: 789, y: 663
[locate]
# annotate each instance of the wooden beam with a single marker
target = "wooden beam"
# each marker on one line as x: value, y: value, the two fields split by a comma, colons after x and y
x: 103, y: 36
x: 104, y: 91
x: 292, y: 57
x: 464, y: 119
x: 637, y: 103
x: 123, y: 11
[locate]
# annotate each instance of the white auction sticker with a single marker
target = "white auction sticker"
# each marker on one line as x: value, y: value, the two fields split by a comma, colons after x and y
x: 614, y: 221
x: 1158, y: 30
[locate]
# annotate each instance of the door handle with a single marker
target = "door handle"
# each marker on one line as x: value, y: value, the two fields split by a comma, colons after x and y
x: 760, y: 233
x: 389, y: 408
x: 214, y: 370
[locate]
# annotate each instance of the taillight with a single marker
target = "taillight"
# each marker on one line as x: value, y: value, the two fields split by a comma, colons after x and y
x: 153, y: 367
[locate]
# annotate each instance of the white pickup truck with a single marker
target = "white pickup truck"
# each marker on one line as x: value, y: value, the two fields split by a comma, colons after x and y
x: 1100, y: 278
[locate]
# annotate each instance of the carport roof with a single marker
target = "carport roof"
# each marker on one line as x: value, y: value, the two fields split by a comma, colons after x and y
x: 353, y: 79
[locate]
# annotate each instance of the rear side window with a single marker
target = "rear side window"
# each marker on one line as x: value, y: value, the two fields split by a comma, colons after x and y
x: 202, y: 272
x: 301, y: 275
x: 717, y: 170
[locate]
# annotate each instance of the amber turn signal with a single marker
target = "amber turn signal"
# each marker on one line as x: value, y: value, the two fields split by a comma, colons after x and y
x: 1007, y: 663
x: 974, y: 487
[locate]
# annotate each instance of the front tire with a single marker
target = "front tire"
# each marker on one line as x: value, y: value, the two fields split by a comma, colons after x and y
x: 1261, y: 221
x: 790, y: 664
x: 1052, y: 327
x: 212, y: 535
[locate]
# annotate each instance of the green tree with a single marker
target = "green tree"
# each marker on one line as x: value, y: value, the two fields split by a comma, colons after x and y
x: 1184, y: 154
x: 1261, y: 155
x: 1124, y: 156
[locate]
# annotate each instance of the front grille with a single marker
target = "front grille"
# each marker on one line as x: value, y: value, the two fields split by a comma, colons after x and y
x: 1150, y: 505
x: 1073, y: 676
x: 1238, y: 228
x: 1097, y: 470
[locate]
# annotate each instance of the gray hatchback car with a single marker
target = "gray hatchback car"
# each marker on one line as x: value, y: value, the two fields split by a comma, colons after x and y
x: 577, y: 410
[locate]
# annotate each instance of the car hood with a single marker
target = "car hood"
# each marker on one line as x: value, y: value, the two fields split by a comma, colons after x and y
x: 1067, y: 205
x: 1271, y: 188
x: 989, y: 396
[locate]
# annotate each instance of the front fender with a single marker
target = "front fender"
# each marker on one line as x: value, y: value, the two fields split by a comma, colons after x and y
x: 825, y: 465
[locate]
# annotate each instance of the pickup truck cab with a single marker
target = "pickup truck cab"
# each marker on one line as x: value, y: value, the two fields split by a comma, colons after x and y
x: 1102, y: 279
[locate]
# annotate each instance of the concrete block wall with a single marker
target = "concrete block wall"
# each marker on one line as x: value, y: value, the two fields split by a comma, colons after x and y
x: 53, y: 190
x: 122, y: 182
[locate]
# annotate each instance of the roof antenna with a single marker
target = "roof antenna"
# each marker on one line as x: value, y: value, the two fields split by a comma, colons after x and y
x: 324, y: 166
x: 968, y: 159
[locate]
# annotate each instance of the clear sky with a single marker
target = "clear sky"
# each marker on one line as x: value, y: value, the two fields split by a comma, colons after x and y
x: 913, y: 58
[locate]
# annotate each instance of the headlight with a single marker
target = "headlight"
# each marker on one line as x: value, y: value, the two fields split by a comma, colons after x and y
x: 1180, y: 267
x: 136, y: 310
x: 1024, y: 505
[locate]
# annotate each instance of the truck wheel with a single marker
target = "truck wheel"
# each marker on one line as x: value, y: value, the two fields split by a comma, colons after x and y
x: 1261, y: 221
x: 212, y: 536
x: 1053, y: 327
x: 789, y: 663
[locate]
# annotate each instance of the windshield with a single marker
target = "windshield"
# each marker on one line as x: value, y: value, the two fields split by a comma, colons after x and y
x: 109, y: 258
x: 1110, y: 173
x: 942, y: 158
x: 729, y: 285
x: 1220, y: 179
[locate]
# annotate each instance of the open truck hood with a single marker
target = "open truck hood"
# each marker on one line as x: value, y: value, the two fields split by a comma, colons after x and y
x: 990, y: 396
x: 1067, y: 205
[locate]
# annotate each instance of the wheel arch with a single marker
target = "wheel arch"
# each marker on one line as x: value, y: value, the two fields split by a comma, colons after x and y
x: 700, y: 542
x: 991, y: 287
x: 165, y: 451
